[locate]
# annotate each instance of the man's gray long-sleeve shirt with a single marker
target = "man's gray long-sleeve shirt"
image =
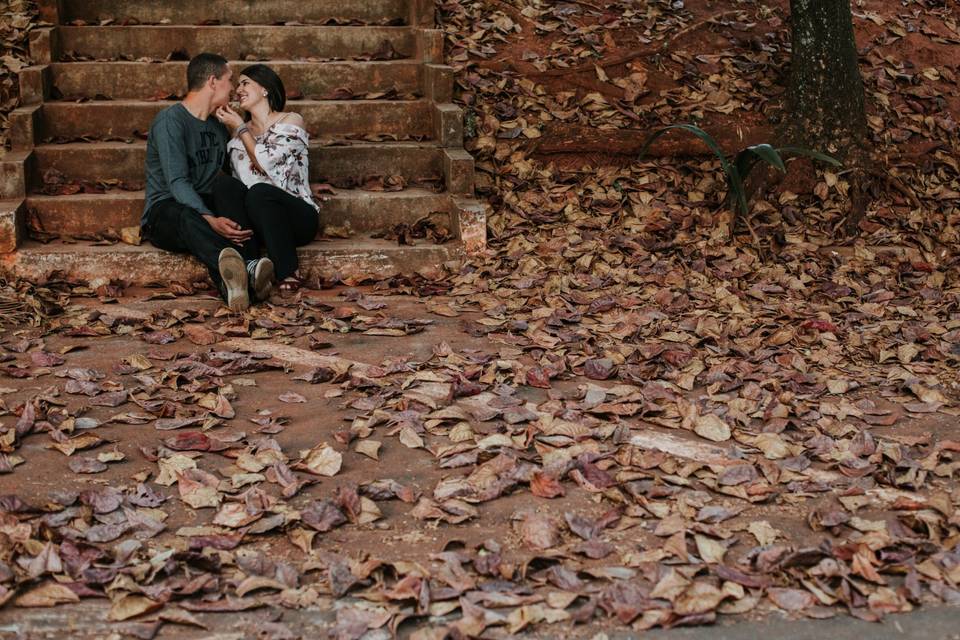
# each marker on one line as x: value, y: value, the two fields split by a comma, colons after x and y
x: 184, y: 155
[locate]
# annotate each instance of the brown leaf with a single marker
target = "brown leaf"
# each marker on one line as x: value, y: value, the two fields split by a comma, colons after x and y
x: 198, y: 489
x: 537, y: 377
x: 537, y: 530
x: 86, y: 465
x: 200, y: 335
x: 47, y: 594
x: 369, y: 448
x: 599, y: 368
x: 700, y: 597
x: 322, y: 515
x: 712, y: 428
x: 545, y: 486
x: 235, y: 515
x: 131, y: 235
x: 791, y: 599
x: 83, y: 441
x: 322, y: 460
x: 131, y: 605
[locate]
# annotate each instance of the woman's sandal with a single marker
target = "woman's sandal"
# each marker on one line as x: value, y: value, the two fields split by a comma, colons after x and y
x: 290, y: 284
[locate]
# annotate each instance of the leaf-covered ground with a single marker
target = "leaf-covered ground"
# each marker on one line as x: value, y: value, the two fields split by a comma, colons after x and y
x: 619, y: 418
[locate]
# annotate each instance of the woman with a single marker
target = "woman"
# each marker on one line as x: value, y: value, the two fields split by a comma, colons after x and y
x: 269, y: 154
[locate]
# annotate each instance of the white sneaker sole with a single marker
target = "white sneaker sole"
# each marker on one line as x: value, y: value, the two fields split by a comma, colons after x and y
x: 234, y: 273
x: 263, y: 279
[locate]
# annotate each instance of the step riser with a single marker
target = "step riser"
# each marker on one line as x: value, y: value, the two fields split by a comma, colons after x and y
x: 110, y: 120
x: 234, y: 11
x: 13, y: 216
x: 144, y: 81
x: 234, y: 43
x: 15, y: 171
x: 149, y: 267
x: 87, y: 216
x: 126, y: 162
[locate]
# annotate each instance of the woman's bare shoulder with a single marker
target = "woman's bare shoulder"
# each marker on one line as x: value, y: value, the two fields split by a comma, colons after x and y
x: 294, y: 118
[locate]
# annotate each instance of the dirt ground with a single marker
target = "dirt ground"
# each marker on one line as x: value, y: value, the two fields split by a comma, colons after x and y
x: 397, y: 536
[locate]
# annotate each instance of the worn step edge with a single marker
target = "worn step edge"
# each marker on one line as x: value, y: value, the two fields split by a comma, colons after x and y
x: 145, y: 80
x: 348, y: 259
x: 118, y: 160
x: 158, y: 41
x: 236, y: 11
x: 355, y: 210
x: 123, y: 118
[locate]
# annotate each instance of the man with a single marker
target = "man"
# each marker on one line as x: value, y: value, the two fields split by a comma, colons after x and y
x: 191, y: 205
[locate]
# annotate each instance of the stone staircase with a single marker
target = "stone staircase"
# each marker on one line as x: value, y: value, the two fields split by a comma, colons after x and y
x: 366, y: 75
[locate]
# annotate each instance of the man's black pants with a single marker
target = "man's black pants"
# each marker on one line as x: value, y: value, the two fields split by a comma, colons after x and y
x: 175, y: 227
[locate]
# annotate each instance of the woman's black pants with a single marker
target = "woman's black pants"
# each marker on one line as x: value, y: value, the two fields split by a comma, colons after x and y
x: 281, y: 222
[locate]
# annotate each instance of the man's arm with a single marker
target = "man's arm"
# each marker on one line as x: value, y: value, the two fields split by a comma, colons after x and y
x: 173, y: 163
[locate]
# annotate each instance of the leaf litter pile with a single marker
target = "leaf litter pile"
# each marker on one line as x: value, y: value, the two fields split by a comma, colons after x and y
x: 618, y: 417
x: 17, y: 21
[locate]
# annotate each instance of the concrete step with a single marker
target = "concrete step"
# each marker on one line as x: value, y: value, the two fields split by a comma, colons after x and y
x: 253, y: 42
x: 130, y: 118
x: 146, y: 80
x: 352, y: 259
x: 234, y: 11
x: 356, y: 210
x: 121, y: 161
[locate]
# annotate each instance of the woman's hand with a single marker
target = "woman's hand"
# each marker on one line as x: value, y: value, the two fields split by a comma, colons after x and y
x: 229, y: 117
x: 255, y: 167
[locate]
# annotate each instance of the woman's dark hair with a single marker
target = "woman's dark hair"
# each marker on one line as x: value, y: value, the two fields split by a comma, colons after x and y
x: 270, y: 81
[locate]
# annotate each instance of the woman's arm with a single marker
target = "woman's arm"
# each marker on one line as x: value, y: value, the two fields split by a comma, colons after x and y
x: 238, y: 128
x: 251, y: 146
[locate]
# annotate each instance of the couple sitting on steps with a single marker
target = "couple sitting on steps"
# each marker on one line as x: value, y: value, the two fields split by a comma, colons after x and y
x: 223, y: 187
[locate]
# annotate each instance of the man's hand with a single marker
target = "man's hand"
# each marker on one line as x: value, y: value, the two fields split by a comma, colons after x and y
x: 229, y: 229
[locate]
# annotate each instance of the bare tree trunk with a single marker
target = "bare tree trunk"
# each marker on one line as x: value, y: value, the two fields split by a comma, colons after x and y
x: 825, y: 99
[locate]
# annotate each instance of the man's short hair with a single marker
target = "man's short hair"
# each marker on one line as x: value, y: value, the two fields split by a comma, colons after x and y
x: 202, y: 66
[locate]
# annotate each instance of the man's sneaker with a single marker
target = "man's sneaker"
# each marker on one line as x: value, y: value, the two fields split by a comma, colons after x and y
x: 234, y: 277
x: 260, y: 276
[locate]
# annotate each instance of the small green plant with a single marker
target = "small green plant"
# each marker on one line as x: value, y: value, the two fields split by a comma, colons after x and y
x: 470, y: 123
x: 743, y: 163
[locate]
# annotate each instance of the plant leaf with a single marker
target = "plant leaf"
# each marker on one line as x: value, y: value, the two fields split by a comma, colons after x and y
x: 748, y: 157
x: 734, y: 181
x: 816, y: 155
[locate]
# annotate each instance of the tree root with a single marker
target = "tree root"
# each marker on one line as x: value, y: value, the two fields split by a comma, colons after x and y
x: 859, y: 188
x: 633, y: 55
x: 586, y: 4
x: 564, y: 138
x: 858, y: 201
x: 897, y: 184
